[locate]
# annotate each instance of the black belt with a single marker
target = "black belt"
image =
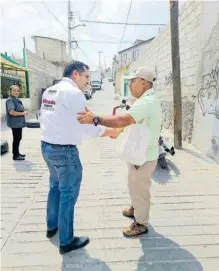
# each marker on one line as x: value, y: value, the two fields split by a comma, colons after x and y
x: 58, y: 145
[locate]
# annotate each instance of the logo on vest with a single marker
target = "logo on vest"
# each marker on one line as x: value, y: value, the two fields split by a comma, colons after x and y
x: 49, y: 104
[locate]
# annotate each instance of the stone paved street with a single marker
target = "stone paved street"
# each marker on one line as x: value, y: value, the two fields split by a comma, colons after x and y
x: 184, y: 223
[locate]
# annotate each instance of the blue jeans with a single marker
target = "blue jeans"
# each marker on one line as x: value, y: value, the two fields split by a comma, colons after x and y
x: 65, y: 180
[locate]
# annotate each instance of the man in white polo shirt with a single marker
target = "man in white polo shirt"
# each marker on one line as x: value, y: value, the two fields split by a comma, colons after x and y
x: 146, y: 109
x: 61, y: 133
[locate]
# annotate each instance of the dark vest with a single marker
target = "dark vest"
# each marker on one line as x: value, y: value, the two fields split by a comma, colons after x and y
x: 14, y: 121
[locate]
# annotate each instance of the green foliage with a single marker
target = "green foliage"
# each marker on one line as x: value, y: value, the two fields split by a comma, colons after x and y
x: 7, y: 81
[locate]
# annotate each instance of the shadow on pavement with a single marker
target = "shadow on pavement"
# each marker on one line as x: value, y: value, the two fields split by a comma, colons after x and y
x: 162, y: 254
x: 22, y: 166
x: 79, y: 260
x: 164, y: 176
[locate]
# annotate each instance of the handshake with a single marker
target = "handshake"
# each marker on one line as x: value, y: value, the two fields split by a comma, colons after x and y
x: 86, y: 117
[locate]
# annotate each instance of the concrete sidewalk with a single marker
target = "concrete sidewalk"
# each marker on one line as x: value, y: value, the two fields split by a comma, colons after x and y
x: 184, y: 224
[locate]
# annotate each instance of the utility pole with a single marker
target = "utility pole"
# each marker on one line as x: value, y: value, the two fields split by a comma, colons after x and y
x: 69, y: 29
x: 105, y: 63
x: 177, y: 101
x: 99, y: 52
x: 44, y: 57
x: 25, y: 65
x: 24, y: 53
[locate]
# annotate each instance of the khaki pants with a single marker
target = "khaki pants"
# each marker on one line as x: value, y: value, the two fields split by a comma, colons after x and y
x: 139, y: 182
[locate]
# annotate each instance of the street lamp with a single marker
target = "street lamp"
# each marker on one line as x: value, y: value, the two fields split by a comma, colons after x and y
x: 73, y: 27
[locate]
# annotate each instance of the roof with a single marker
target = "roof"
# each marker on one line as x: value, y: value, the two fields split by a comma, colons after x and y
x: 41, y: 37
x: 136, y: 44
x: 9, y: 64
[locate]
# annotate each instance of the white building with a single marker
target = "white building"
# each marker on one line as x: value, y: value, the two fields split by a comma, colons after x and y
x: 122, y: 62
x: 54, y: 50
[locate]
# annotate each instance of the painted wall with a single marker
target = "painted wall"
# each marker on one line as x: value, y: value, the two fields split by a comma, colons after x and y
x: 124, y: 72
x: 206, y: 121
x: 199, y: 57
x: 157, y: 55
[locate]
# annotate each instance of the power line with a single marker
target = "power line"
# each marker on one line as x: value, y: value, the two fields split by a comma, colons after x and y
x: 86, y: 56
x: 104, y: 41
x: 66, y: 31
x: 121, y: 23
x: 127, y: 17
x: 110, y: 37
x: 91, y: 9
x: 56, y: 18
x: 29, y: 32
x: 99, y: 35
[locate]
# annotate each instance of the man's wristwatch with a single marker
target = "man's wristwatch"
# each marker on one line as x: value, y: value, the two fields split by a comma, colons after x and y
x: 96, y: 120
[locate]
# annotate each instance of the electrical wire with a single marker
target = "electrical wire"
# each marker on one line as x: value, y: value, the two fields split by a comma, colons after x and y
x: 97, y: 34
x: 54, y: 16
x: 104, y: 41
x: 86, y: 56
x: 127, y: 17
x: 29, y: 32
x: 91, y: 9
x: 67, y: 31
x: 121, y: 23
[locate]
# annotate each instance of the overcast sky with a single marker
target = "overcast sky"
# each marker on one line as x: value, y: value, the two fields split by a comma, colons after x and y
x: 28, y: 18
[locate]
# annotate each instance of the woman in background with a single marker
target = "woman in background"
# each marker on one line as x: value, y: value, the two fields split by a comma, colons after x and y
x: 15, y: 120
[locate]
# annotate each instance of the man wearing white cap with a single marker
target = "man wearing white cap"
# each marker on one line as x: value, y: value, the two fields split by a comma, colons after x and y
x: 146, y: 109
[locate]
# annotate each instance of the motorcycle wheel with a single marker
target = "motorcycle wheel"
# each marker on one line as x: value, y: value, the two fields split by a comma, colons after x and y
x: 163, y: 163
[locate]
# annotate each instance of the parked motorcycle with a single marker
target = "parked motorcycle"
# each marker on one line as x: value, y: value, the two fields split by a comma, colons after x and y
x: 163, y: 148
x: 163, y: 151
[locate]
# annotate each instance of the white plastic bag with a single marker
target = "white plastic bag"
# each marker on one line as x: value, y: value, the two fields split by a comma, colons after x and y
x: 134, y: 144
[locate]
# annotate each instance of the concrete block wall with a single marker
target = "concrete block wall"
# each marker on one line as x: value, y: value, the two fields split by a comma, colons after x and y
x: 41, y: 75
x: 158, y: 53
x: 158, y: 56
x: 206, y: 119
x: 189, y: 33
x: 199, y: 56
x: 52, y: 49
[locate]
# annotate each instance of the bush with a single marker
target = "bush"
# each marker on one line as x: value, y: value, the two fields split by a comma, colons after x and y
x: 6, y: 82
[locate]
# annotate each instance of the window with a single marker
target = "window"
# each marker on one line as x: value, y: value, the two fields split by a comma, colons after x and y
x: 125, y: 57
x: 135, y: 54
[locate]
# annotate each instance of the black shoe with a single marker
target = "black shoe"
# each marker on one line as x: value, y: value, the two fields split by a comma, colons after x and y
x: 78, y: 242
x: 18, y: 158
x: 50, y: 234
x: 22, y: 155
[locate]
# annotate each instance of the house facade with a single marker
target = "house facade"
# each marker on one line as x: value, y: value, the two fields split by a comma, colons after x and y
x: 122, y: 62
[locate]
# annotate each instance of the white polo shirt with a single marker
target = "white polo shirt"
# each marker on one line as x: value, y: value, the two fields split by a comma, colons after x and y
x: 60, y: 105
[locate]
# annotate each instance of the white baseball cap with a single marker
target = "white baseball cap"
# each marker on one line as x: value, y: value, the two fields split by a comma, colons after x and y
x: 143, y: 73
